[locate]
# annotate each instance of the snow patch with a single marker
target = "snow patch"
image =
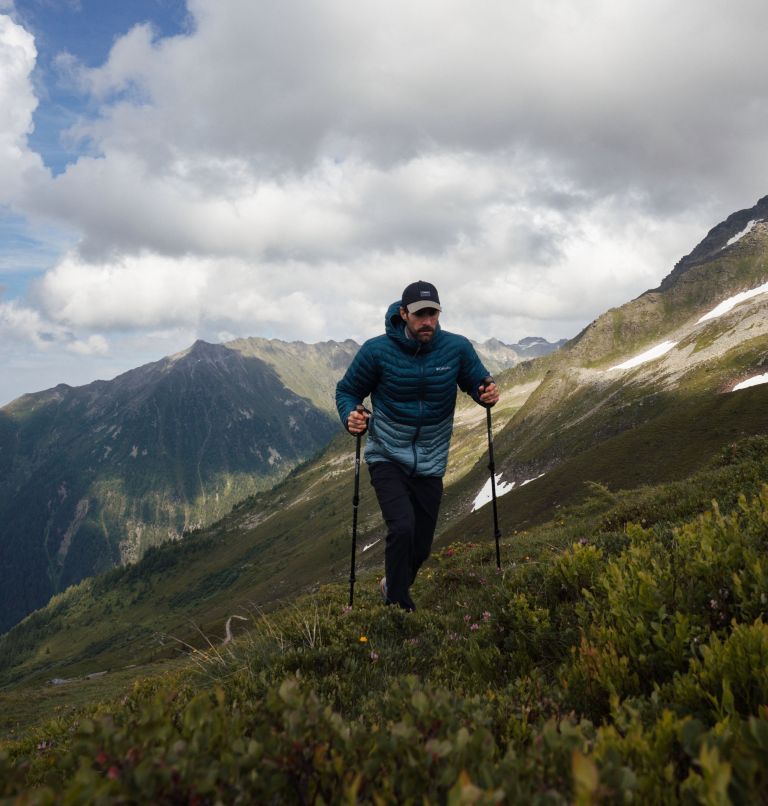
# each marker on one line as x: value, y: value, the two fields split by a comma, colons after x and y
x: 732, y: 302
x: 754, y: 381
x: 528, y: 481
x: 371, y: 545
x: 486, y: 494
x: 134, y: 451
x: 648, y: 355
x: 739, y: 235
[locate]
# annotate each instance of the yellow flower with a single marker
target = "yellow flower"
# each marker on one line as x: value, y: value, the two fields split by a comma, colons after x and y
x: 363, y: 639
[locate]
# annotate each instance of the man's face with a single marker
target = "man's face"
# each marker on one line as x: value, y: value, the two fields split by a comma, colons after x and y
x: 421, y: 325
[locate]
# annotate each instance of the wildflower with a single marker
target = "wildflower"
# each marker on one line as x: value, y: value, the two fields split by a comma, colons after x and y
x: 374, y: 655
x: 363, y: 639
x: 482, y: 580
x: 486, y: 616
x: 346, y: 609
x: 113, y: 773
x: 583, y: 541
x: 449, y: 552
x: 467, y: 618
x: 475, y: 627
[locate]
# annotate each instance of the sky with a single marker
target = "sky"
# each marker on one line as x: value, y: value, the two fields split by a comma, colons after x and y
x: 215, y: 169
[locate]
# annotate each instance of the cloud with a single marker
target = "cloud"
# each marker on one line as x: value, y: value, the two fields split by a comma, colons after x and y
x: 18, y: 165
x: 403, y: 129
x: 485, y: 293
x: 19, y: 323
x: 285, y: 169
x: 93, y: 345
x: 611, y: 94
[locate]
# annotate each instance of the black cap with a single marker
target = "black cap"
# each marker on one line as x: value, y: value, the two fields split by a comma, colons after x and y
x: 420, y: 295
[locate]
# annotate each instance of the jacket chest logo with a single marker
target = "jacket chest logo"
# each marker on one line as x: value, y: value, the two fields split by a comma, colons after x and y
x: 441, y: 369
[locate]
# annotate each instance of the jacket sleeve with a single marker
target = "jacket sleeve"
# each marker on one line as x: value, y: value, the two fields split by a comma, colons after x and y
x: 472, y: 372
x: 358, y: 382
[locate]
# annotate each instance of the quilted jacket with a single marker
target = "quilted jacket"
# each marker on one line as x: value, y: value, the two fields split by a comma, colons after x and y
x: 413, y: 394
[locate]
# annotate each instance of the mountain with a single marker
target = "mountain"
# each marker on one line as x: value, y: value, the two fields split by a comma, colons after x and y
x: 647, y: 391
x: 498, y: 356
x: 90, y: 477
x: 309, y: 370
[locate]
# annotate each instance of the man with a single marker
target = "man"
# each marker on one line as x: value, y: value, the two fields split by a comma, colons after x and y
x: 411, y: 373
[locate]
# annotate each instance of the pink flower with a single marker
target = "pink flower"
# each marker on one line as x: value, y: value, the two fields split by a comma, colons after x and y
x: 475, y: 627
x: 374, y: 656
x: 486, y: 616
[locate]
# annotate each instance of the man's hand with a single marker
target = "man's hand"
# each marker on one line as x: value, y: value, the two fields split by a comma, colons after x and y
x: 357, y: 422
x: 489, y: 393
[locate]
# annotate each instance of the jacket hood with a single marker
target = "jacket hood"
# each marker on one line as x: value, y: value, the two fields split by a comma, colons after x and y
x: 394, y: 327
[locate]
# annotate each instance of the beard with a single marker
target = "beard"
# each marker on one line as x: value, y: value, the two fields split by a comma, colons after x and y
x: 425, y: 333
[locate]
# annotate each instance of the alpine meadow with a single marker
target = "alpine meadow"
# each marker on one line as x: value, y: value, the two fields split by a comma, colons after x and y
x: 175, y: 583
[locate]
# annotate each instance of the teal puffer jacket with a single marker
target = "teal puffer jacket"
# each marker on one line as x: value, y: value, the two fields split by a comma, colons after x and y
x: 413, y: 394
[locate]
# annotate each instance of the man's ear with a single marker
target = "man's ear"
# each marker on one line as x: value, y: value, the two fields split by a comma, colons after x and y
x: 403, y: 314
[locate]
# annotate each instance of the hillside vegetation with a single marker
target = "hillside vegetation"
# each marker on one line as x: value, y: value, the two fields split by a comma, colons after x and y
x: 620, y: 655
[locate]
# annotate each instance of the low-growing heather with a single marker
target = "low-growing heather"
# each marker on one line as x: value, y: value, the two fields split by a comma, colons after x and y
x: 631, y: 667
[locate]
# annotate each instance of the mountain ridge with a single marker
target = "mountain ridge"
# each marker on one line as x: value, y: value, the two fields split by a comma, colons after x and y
x: 93, y: 475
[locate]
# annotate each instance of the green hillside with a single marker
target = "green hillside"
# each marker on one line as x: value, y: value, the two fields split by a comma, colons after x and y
x: 619, y: 656
x: 91, y: 477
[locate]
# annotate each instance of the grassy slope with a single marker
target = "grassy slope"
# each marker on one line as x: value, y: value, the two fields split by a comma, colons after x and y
x: 189, y: 589
x: 536, y: 685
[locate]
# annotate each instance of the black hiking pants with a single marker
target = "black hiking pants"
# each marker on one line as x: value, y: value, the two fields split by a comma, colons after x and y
x: 409, y: 505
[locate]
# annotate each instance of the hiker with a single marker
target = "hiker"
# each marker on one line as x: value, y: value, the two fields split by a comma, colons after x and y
x: 411, y: 373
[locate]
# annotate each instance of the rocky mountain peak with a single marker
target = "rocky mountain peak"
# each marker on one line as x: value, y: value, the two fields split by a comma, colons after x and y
x: 725, y: 234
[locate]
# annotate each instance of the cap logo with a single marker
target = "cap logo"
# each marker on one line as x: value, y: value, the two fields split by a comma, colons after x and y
x: 424, y: 293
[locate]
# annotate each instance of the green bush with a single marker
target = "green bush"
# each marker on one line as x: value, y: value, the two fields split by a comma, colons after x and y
x: 632, y: 670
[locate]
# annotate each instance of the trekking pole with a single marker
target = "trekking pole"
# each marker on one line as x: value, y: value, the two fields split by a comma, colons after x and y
x: 492, y: 468
x: 355, y: 502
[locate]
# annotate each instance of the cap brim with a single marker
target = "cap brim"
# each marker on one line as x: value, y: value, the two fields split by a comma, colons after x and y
x: 421, y: 304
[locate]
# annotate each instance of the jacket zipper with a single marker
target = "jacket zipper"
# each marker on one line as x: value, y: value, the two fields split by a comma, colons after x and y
x: 417, y: 355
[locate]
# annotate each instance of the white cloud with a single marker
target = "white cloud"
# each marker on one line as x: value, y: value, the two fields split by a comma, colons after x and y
x: 93, y: 345
x: 610, y: 92
x: 19, y: 323
x: 285, y: 169
x: 18, y: 165
x: 498, y: 280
